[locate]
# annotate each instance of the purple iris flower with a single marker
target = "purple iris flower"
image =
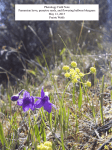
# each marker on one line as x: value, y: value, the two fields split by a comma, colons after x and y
x: 16, y: 97
x: 44, y: 101
x: 26, y: 102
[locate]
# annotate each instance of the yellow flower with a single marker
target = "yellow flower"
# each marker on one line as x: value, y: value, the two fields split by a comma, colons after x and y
x: 74, y: 74
x: 81, y: 74
x: 109, y: 144
x: 49, y: 148
x: 88, y: 84
x: 77, y: 77
x: 77, y: 70
x: 46, y: 146
x: 72, y: 70
x: 106, y: 147
x: 42, y: 147
x: 93, y: 70
x: 73, y: 64
x: 41, y: 144
x: 67, y: 75
x: 47, y: 143
x: 39, y: 147
x: 65, y: 67
x: 75, y: 80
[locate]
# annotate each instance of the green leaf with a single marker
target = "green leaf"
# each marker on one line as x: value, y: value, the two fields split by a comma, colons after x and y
x: 62, y: 140
x: 55, y: 121
x: 43, y: 114
x: 42, y: 119
x: 80, y: 98
x: 73, y: 97
x: 67, y: 120
x: 42, y: 130
x: 31, y: 71
x: 37, y: 133
x: 76, y: 123
x: 63, y: 50
x: 2, y: 138
x: 93, y: 110
x: 64, y: 112
x: 50, y: 119
x: 86, y: 117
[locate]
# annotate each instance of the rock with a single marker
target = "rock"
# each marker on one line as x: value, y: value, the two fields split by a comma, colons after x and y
x: 10, y: 61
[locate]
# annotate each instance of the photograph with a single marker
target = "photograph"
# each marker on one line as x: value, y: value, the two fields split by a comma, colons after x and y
x: 55, y: 74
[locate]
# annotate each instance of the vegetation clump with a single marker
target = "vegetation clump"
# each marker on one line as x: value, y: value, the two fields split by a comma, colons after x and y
x: 76, y: 75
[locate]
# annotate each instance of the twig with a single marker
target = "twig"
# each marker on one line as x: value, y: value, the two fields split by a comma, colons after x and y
x: 97, y: 134
x: 104, y: 128
x: 101, y: 147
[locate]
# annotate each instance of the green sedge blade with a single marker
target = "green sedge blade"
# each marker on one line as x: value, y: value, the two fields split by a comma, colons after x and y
x: 80, y: 98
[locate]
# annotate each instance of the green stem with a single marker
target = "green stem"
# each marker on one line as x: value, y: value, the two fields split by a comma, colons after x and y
x: 65, y: 90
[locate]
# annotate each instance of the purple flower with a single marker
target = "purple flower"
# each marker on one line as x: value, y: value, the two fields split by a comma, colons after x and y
x: 16, y: 97
x: 44, y: 101
x: 26, y: 102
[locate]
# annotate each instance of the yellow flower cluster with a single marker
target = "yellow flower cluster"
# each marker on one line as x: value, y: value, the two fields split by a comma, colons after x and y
x: 74, y: 80
x: 77, y: 70
x: 75, y: 74
x: 88, y: 84
x: 65, y: 67
x: 46, y: 146
x: 93, y: 70
x: 81, y: 74
x: 67, y: 75
x: 73, y: 64
x: 106, y: 147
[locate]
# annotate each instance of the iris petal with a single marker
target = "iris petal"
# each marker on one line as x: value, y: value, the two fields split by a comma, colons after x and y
x: 48, y: 107
x: 42, y: 93
x: 20, y: 102
x: 27, y: 105
x: 32, y: 107
x: 46, y: 98
x: 37, y: 97
x: 32, y: 103
x: 26, y: 101
x: 38, y: 104
x: 25, y: 108
x: 32, y: 99
x: 26, y: 94
x: 54, y: 106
